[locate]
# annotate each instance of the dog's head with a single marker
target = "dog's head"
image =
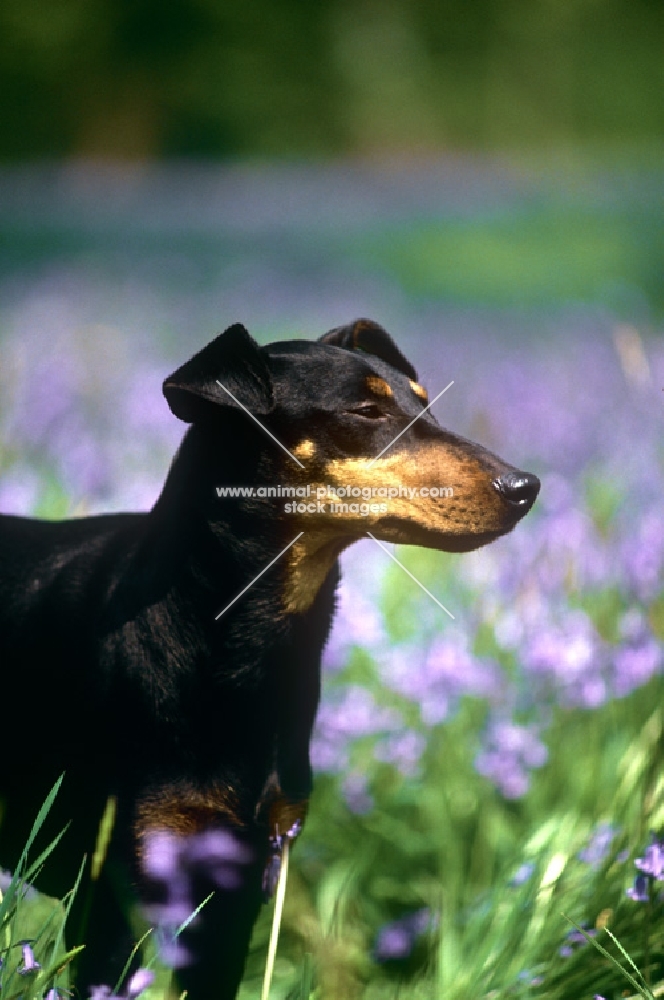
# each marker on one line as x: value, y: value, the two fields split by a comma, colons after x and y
x: 347, y: 417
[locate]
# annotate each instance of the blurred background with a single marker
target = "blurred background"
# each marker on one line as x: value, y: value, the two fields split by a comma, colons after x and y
x: 216, y: 78
x: 486, y: 180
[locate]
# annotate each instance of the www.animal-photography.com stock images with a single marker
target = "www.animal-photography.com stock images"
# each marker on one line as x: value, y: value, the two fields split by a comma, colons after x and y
x: 332, y: 500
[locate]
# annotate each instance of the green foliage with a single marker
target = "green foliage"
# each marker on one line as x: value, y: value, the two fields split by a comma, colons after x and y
x: 39, y: 920
x: 453, y: 844
x: 206, y: 78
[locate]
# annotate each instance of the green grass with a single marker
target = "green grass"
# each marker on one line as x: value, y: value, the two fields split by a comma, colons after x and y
x: 452, y: 843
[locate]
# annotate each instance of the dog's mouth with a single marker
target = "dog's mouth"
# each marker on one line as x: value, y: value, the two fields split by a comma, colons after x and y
x: 466, y: 520
x: 393, y: 529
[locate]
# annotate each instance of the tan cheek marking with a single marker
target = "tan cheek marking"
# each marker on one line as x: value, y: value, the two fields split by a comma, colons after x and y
x: 378, y: 386
x: 305, y: 449
x: 419, y: 391
x: 435, y: 466
x: 475, y: 508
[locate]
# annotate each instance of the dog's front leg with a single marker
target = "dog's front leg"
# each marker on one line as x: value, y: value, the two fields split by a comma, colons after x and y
x: 285, y: 796
x: 210, y: 880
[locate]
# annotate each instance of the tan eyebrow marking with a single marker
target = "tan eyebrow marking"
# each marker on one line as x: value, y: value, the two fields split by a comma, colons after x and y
x: 378, y: 386
x: 304, y: 449
x: 419, y: 391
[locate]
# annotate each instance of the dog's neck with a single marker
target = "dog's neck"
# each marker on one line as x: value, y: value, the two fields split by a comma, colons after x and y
x: 235, y: 538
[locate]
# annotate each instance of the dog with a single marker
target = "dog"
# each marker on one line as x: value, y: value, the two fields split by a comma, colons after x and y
x: 169, y: 662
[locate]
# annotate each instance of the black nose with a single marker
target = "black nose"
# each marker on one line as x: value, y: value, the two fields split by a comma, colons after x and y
x: 520, y: 488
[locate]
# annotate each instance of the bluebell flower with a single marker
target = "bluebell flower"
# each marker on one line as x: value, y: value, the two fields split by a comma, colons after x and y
x: 511, y: 752
x: 403, y: 750
x: 350, y: 713
x: 218, y: 855
x: 522, y: 874
x: 635, y: 664
x: 139, y: 982
x: 103, y: 993
x: 30, y: 963
x: 397, y: 939
x: 640, y: 891
x: 599, y: 845
x: 172, y: 863
x: 137, y: 985
x: 574, y: 938
x: 653, y: 861
x: 358, y: 620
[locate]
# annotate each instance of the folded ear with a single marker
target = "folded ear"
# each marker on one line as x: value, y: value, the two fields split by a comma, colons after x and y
x: 365, y: 335
x: 233, y: 359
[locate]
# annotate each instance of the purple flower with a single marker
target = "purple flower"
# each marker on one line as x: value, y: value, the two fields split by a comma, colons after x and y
x: 30, y: 963
x: 573, y: 938
x: 358, y: 620
x: 403, y: 749
x: 218, y: 855
x: 163, y: 864
x: 19, y: 490
x: 522, y: 874
x: 643, y: 555
x: 511, y: 751
x: 571, y: 656
x: 139, y: 982
x: 394, y: 941
x: 636, y: 664
x: 352, y: 712
x: 599, y: 845
x: 397, y: 939
x: 161, y: 856
x: 640, y: 891
x: 356, y: 793
x: 437, y: 678
x: 172, y: 863
x: 653, y: 861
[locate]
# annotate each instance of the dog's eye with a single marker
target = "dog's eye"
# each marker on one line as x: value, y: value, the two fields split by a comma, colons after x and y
x: 368, y: 410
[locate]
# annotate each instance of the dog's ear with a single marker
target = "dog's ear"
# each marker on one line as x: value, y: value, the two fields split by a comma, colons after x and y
x: 233, y: 359
x: 365, y: 335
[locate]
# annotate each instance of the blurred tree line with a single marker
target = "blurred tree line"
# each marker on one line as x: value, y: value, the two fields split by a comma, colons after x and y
x: 293, y: 77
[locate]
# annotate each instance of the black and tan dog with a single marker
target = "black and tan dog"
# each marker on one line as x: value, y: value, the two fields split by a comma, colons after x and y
x: 116, y: 669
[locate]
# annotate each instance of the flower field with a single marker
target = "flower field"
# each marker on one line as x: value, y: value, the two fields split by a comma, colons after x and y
x: 489, y: 797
